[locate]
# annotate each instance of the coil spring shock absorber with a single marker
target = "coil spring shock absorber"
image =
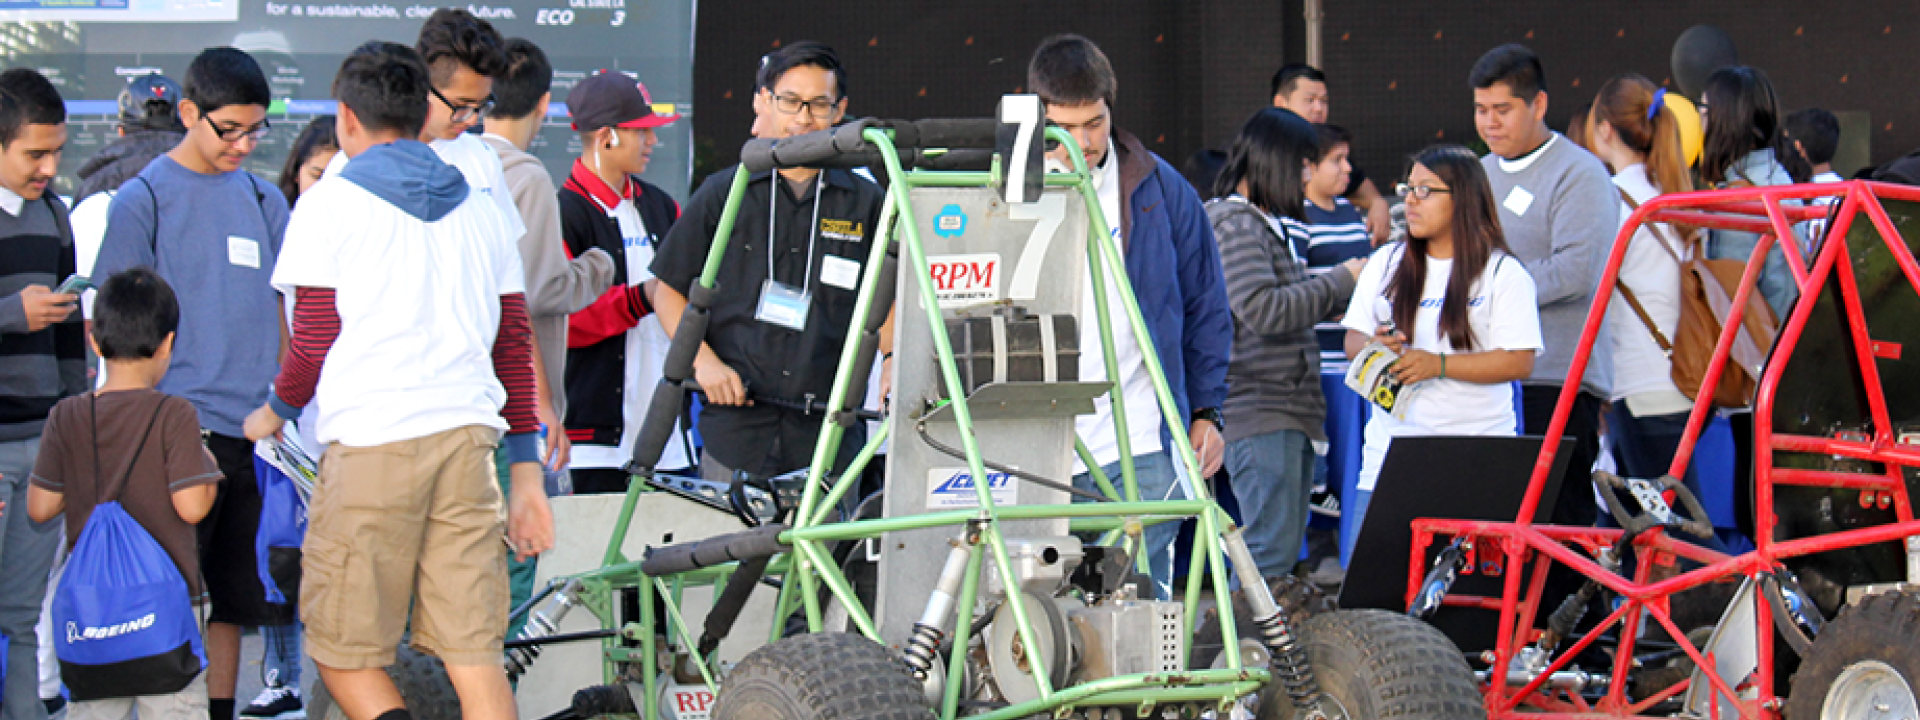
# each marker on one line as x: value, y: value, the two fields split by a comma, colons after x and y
x: 925, y: 643
x: 542, y: 623
x: 1290, y: 663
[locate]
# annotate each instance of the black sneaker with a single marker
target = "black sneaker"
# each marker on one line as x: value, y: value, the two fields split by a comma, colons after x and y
x: 1324, y: 502
x: 276, y: 702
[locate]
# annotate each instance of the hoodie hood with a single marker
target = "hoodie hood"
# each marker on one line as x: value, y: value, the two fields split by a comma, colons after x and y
x: 410, y: 176
x: 124, y: 158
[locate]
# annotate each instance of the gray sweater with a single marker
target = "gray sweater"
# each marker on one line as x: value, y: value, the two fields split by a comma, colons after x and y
x: 1273, y: 379
x: 1560, y: 213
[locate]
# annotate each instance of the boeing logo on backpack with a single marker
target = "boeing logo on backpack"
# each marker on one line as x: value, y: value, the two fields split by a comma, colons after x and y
x: 76, y: 634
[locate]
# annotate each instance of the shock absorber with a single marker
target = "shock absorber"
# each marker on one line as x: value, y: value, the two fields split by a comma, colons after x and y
x: 928, y: 632
x: 1290, y: 662
x: 542, y: 623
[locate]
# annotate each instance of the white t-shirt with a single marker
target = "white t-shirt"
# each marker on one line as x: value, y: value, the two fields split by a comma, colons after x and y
x: 419, y: 306
x: 1641, y: 371
x: 1143, y: 407
x: 1503, y: 315
x: 646, y: 353
x: 89, y: 221
x: 479, y: 164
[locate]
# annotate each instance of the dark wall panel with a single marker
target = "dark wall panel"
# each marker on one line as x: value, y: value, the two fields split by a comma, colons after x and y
x: 1189, y: 72
x: 1399, y: 70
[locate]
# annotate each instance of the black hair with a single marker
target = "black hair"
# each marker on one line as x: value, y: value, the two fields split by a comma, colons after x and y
x: 318, y: 136
x: 1513, y: 64
x: 804, y: 53
x: 1744, y: 117
x: 1818, y: 133
x: 1291, y: 74
x: 223, y: 76
x: 27, y: 98
x: 1269, y: 154
x: 1070, y: 70
x: 133, y: 313
x: 527, y: 76
x: 1476, y: 236
x: 1327, y: 137
x: 452, y: 38
x: 386, y: 85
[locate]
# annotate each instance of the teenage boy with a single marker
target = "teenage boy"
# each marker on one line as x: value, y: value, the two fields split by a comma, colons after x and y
x: 410, y: 330
x: 814, y: 226
x: 616, y: 350
x: 1303, y: 89
x: 129, y: 428
x: 1559, y: 211
x: 1815, y: 135
x: 1174, y: 266
x: 1336, y: 230
x: 213, y: 231
x: 45, y: 358
x: 557, y: 286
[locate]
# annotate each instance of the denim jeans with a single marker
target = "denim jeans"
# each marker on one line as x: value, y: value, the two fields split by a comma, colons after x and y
x: 1159, y: 479
x: 26, y: 554
x: 1272, y: 477
x: 280, y: 664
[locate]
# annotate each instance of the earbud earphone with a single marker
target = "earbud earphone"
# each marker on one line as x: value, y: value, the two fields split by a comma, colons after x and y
x: 613, y: 139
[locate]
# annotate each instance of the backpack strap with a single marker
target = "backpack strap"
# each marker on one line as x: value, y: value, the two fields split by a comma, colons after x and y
x: 153, y: 240
x: 1659, y: 338
x: 60, y: 217
x: 93, y: 420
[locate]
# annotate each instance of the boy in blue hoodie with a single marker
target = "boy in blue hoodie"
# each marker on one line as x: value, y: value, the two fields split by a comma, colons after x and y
x: 410, y: 329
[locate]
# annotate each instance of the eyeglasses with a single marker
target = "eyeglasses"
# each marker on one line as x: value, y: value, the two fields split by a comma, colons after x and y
x: 789, y: 105
x: 464, y: 113
x: 1418, y: 191
x: 233, y: 134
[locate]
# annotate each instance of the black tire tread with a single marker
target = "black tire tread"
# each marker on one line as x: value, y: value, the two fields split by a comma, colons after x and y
x: 1879, y: 627
x: 1390, y: 667
x: 821, y: 676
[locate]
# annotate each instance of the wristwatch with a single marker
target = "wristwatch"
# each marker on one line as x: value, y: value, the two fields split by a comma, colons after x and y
x: 1212, y: 415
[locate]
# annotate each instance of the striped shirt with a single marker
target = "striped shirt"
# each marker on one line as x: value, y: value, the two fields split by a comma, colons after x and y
x: 1334, y: 236
x: 37, y: 368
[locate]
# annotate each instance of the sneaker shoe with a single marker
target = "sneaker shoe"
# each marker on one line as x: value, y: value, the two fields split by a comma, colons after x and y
x: 1323, y: 502
x: 276, y: 702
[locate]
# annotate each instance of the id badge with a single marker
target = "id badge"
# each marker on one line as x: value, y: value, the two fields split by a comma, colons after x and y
x: 783, y: 305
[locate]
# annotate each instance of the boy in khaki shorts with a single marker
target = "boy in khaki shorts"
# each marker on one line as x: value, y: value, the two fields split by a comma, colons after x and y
x: 410, y: 329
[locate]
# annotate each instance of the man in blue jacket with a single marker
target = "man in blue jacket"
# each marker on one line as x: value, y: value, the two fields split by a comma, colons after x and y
x: 1174, y: 267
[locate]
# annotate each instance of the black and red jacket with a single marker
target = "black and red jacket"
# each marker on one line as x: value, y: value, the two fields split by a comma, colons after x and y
x: 596, y: 335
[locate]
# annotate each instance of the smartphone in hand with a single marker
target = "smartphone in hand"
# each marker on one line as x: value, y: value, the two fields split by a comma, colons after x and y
x: 74, y: 285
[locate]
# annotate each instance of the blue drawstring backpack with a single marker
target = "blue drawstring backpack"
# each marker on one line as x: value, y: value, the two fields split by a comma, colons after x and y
x: 123, y: 622
x: 283, y: 525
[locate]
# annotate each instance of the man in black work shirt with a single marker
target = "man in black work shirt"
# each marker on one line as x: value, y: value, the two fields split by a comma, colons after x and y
x: 787, y: 283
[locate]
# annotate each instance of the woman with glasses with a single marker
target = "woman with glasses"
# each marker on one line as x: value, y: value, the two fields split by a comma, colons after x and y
x: 1453, y: 303
x: 1740, y: 115
x: 1274, y: 410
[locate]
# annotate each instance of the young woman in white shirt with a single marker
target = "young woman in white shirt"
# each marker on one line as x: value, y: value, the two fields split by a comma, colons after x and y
x: 1454, y: 302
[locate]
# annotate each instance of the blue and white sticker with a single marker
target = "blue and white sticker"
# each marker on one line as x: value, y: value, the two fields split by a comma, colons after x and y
x: 953, y: 487
x: 951, y: 222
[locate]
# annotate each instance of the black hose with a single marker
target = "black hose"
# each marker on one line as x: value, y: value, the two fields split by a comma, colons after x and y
x: 950, y: 451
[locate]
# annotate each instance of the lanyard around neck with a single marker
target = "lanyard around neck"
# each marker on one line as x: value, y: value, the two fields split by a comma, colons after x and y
x: 813, y: 231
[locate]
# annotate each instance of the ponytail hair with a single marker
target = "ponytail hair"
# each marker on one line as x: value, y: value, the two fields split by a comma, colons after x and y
x: 1637, y: 110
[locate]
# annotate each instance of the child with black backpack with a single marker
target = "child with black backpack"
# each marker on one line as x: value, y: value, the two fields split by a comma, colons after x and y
x: 127, y: 466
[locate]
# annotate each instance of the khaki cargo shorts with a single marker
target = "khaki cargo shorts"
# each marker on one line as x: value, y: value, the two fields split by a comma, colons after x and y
x: 411, y: 525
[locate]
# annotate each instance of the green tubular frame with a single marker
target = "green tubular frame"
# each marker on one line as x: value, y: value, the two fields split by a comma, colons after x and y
x: 809, y: 565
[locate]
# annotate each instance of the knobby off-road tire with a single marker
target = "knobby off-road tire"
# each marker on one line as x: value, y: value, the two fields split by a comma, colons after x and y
x: 1379, y: 665
x: 1863, y: 666
x: 821, y: 676
x: 423, y: 683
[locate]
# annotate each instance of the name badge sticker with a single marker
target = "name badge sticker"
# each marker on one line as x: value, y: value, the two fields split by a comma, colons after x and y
x: 839, y: 272
x: 783, y: 305
x: 1518, y: 200
x: 243, y: 252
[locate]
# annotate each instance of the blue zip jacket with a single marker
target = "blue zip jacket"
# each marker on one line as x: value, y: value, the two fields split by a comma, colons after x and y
x: 1174, y: 265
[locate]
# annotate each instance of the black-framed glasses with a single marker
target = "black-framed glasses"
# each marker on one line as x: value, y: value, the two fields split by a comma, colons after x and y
x: 817, y: 108
x: 1418, y: 191
x: 233, y: 134
x: 464, y: 113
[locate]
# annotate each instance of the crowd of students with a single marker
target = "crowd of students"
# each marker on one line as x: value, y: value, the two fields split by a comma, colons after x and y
x: 421, y: 300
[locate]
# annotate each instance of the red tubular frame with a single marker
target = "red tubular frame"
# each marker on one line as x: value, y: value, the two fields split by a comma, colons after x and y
x: 1761, y: 210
